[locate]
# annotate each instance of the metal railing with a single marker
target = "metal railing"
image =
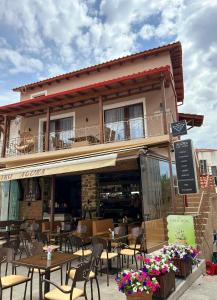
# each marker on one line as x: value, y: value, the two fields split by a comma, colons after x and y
x: 134, y: 128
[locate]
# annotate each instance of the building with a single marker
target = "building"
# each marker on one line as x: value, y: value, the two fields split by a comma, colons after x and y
x: 95, y: 140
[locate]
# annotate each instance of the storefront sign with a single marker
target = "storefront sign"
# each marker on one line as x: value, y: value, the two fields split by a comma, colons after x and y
x: 27, y: 174
x: 181, y: 230
x: 185, y: 167
x: 179, y: 128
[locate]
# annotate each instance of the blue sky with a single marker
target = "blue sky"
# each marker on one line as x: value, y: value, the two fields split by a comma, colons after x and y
x: 39, y: 39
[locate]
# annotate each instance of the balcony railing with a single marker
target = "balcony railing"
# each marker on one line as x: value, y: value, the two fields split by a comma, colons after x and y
x: 131, y: 129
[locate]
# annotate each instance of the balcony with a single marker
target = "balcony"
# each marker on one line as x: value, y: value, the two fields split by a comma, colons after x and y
x: 149, y: 126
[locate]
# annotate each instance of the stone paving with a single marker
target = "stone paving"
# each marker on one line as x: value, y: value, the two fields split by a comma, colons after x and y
x: 204, y: 288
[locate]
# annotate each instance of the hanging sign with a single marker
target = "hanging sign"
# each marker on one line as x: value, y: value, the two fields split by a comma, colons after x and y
x: 185, y: 167
x: 179, y: 128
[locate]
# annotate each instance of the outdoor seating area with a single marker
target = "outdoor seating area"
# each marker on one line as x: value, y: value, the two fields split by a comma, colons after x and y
x: 98, y: 246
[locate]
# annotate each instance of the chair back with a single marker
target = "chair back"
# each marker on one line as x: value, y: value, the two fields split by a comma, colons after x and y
x: 82, y: 273
x: 95, y: 256
x: 120, y: 230
x: 81, y: 228
x: 98, y: 240
x: 42, y: 237
x: 140, y: 240
x: 14, y: 244
x: 136, y: 231
x: 35, y: 248
x: 75, y: 242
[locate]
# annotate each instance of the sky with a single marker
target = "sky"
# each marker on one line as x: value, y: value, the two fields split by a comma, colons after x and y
x: 44, y: 38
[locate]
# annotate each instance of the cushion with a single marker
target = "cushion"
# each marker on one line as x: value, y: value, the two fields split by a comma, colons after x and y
x: 129, y: 252
x: 11, y: 280
x: 81, y: 253
x: 72, y: 274
x: 133, y: 246
x: 110, y: 255
x: 56, y: 294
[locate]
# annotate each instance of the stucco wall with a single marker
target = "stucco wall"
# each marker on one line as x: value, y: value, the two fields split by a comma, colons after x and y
x: 209, y: 156
x: 88, y: 116
x: 104, y: 74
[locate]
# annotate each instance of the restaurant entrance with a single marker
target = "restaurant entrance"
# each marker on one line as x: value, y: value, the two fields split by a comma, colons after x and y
x: 68, y: 196
x: 120, y: 195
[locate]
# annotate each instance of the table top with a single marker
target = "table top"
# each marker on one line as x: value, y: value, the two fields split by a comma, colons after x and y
x: 108, y: 237
x: 40, y: 261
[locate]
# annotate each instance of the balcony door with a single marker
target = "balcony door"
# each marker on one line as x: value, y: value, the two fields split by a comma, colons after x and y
x: 61, y: 133
x: 125, y: 122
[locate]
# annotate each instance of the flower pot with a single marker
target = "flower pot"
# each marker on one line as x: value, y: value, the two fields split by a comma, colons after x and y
x: 184, y: 266
x: 167, y: 284
x: 143, y: 296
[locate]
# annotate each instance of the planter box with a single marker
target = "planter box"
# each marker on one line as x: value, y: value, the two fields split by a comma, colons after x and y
x: 143, y: 296
x: 167, y: 284
x: 184, y: 267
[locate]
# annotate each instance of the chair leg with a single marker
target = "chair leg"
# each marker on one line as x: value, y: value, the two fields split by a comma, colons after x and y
x: 31, y: 289
x: 98, y: 290
x: 136, y: 261
x: 91, y: 288
x: 128, y: 261
x: 11, y: 294
x: 107, y: 273
x: 61, y: 276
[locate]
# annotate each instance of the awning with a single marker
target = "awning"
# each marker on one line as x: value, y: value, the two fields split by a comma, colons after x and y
x: 59, y: 167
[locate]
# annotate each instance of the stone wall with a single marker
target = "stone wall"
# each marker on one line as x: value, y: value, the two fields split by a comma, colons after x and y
x: 89, y: 191
x: 31, y: 210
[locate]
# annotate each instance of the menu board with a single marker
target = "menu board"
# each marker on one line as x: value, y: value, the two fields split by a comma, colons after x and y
x: 179, y: 128
x: 185, y: 167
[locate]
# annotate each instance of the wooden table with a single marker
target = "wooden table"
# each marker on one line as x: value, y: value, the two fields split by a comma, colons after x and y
x: 40, y: 261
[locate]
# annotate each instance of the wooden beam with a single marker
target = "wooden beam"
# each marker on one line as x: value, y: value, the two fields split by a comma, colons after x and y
x: 52, y: 201
x: 4, y: 143
x: 164, y: 105
x: 73, y: 99
x: 47, y: 133
x: 101, y: 123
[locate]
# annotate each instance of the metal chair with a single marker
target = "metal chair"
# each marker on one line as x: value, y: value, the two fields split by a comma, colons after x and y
x: 95, y: 260
x: 139, y: 247
x: 71, y: 292
x: 106, y: 255
x: 9, y: 281
x: 76, y: 243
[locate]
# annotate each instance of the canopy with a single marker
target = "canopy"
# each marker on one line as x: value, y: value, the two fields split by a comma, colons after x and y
x: 59, y: 167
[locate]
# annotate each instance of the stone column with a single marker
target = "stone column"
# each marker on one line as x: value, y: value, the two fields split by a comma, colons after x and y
x: 89, y: 192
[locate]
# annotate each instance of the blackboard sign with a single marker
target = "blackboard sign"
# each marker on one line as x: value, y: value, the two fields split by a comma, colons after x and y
x: 179, y: 128
x: 185, y: 167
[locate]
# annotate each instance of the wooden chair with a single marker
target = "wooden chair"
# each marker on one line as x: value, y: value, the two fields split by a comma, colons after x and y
x: 26, y: 144
x: 57, y: 143
x: 106, y: 254
x: 109, y: 135
x: 10, y: 281
x: 71, y: 292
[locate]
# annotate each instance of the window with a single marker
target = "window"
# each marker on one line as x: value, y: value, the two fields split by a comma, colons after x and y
x: 38, y: 94
x: 125, y: 122
x: 203, y: 166
x: 61, y: 132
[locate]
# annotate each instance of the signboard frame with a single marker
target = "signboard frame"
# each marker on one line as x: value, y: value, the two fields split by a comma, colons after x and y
x: 185, y: 167
x: 179, y: 128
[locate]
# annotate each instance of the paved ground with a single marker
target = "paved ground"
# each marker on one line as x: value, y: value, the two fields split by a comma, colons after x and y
x: 204, y: 288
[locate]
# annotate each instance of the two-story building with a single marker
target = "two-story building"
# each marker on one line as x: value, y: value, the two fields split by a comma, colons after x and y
x: 94, y: 139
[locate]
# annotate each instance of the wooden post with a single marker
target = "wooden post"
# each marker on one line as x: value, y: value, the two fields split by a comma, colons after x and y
x: 171, y: 177
x: 165, y: 130
x: 5, y: 130
x: 101, y: 123
x: 47, y: 133
x: 52, y: 201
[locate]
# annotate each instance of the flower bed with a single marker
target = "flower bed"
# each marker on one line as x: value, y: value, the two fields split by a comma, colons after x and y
x: 183, y: 257
x: 164, y: 271
x: 137, y: 285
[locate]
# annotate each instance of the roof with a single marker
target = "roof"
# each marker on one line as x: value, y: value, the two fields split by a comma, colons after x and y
x: 175, y: 50
x: 192, y: 119
x: 205, y: 150
x: 138, y: 81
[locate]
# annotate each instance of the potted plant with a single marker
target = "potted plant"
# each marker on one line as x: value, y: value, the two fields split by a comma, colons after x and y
x: 137, y: 285
x: 183, y: 258
x: 162, y: 268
